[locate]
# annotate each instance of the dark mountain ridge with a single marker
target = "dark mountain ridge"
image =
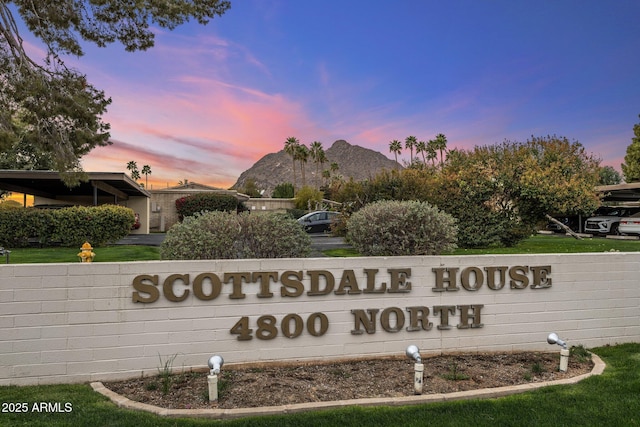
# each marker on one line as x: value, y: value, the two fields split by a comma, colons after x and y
x: 353, y: 161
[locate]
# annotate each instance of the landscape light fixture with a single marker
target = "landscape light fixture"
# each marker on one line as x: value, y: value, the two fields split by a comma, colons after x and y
x: 215, y: 364
x: 413, y: 352
x: 553, y: 338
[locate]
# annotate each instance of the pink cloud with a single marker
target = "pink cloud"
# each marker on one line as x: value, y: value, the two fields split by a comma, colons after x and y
x: 197, y: 126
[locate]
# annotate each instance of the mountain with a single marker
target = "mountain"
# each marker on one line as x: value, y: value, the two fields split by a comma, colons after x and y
x: 353, y: 161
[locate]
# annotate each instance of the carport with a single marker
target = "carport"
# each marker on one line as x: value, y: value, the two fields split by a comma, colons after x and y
x: 620, y: 193
x: 100, y: 188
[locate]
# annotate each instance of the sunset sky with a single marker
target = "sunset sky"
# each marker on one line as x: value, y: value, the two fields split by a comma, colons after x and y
x: 209, y: 101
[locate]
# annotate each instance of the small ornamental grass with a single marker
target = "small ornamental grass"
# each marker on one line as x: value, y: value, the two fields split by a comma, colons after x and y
x: 227, y: 235
x: 393, y: 228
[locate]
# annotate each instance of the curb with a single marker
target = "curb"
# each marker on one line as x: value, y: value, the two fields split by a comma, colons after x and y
x: 486, y: 393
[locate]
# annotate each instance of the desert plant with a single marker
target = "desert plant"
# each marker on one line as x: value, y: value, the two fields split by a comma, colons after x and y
x: 389, y: 228
x: 165, y: 372
x: 454, y: 373
x: 537, y: 368
x: 223, y: 235
x: 272, y: 235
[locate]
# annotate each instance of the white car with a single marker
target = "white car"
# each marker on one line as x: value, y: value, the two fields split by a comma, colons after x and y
x: 630, y: 225
x: 608, y: 223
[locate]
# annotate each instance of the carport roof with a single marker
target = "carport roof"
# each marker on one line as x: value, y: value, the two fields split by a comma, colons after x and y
x: 49, y: 184
x: 620, y: 192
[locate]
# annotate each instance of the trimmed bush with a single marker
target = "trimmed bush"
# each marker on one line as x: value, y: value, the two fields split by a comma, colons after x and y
x: 94, y: 224
x: 207, y: 202
x: 392, y: 228
x: 226, y: 235
x: 68, y: 226
x: 20, y: 226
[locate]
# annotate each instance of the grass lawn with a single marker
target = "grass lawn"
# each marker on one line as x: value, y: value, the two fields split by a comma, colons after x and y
x: 539, y: 244
x: 115, y: 253
x: 610, y: 399
x: 534, y: 245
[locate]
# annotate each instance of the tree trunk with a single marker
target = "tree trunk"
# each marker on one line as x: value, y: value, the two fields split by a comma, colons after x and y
x: 567, y: 229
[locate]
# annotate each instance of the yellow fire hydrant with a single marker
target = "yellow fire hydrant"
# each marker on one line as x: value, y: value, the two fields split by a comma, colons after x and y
x: 86, y: 254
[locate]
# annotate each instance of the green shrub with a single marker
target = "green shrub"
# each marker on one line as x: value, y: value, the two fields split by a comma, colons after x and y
x: 211, y: 235
x: 283, y: 191
x: 225, y: 235
x: 68, y: 226
x: 308, y: 198
x: 206, y: 202
x: 19, y: 226
x: 94, y: 224
x: 390, y: 228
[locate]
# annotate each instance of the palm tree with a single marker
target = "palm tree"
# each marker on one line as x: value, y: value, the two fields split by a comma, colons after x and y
x: 319, y: 157
x: 431, y: 151
x: 291, y: 148
x: 395, y: 147
x: 441, y: 145
x: 302, y: 154
x: 333, y: 167
x: 326, y: 174
x: 409, y: 143
x: 133, y: 167
x: 146, y: 171
x: 421, y: 148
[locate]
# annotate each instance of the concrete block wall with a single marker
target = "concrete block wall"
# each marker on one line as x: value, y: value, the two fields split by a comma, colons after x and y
x: 64, y: 323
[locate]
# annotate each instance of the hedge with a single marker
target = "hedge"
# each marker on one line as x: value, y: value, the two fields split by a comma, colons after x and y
x: 68, y: 226
x: 207, y: 202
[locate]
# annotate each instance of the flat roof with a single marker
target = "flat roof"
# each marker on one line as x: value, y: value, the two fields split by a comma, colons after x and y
x: 49, y: 184
x: 620, y: 192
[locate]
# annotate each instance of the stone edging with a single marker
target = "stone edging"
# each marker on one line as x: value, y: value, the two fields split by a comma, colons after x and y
x: 124, y: 402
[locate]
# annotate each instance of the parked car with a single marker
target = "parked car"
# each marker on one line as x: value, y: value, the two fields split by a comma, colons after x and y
x: 572, y: 221
x: 318, y: 221
x: 630, y: 225
x: 609, y: 222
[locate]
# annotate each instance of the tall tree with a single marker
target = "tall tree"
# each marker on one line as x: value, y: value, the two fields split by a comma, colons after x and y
x: 319, y: 158
x: 631, y: 165
x: 146, y: 171
x: 421, y: 148
x: 609, y: 176
x: 303, y: 156
x: 44, y: 103
x: 410, y: 143
x: 291, y: 148
x: 500, y: 192
x: 440, y: 144
x: 132, y: 166
x: 432, y: 153
x: 395, y: 147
